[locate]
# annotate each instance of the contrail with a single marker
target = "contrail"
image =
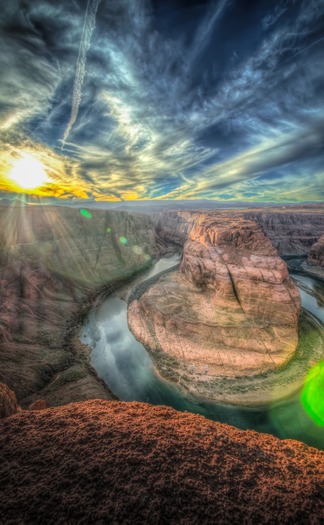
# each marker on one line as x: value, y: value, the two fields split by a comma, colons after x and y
x: 88, y: 27
x: 204, y: 31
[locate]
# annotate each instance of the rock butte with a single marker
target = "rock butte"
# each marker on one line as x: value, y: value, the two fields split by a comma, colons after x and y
x: 133, y: 463
x: 231, y: 309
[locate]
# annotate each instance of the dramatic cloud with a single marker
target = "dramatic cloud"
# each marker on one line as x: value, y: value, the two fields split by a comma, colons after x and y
x: 218, y: 99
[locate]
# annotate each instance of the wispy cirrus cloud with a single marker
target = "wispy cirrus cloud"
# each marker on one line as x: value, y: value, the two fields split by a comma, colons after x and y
x: 178, y: 101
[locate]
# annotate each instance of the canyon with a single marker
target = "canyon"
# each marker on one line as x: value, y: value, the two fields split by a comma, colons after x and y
x: 56, y: 262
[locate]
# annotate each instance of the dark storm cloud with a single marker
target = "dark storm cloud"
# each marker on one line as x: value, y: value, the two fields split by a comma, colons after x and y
x: 181, y: 99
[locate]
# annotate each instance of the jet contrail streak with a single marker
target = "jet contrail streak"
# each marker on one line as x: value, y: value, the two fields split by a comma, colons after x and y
x: 88, y: 27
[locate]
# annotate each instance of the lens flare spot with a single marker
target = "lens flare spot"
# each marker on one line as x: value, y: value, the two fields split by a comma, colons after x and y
x: 86, y: 213
x: 312, y: 396
x: 137, y: 250
x: 123, y: 240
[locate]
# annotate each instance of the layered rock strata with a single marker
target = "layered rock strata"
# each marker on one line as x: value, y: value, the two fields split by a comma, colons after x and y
x: 132, y: 463
x: 231, y: 310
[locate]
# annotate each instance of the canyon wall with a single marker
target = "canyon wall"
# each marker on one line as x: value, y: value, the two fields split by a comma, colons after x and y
x: 231, y: 310
x: 53, y: 262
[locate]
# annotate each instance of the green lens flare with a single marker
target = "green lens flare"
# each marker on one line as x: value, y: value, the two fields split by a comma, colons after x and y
x: 123, y: 240
x: 312, y: 396
x: 86, y: 214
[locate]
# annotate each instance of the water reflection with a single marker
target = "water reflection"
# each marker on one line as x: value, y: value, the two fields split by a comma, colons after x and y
x: 311, y: 293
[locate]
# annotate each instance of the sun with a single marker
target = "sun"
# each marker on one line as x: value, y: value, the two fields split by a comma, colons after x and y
x: 28, y: 173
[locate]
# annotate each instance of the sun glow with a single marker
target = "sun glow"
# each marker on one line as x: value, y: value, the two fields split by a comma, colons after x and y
x: 28, y: 173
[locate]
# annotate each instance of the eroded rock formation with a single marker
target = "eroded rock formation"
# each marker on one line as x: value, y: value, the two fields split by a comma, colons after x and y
x: 8, y: 401
x: 231, y: 310
x: 132, y: 463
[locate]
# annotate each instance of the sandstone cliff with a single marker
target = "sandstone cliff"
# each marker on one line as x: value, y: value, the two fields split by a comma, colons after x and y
x: 231, y: 310
x: 53, y: 261
x: 132, y: 463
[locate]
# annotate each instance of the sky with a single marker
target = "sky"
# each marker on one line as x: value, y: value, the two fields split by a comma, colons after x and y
x: 114, y: 100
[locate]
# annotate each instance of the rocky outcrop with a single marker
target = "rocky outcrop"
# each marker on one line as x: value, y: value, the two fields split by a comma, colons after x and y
x: 314, y: 265
x: 132, y: 463
x: 8, y: 401
x: 231, y: 310
x: 174, y: 226
x: 53, y: 261
x: 316, y: 254
x: 39, y: 404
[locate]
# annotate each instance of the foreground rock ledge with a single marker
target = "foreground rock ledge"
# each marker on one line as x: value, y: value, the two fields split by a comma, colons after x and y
x: 113, y: 462
x: 231, y: 310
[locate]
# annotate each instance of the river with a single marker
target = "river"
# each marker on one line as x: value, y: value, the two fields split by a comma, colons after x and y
x: 123, y: 363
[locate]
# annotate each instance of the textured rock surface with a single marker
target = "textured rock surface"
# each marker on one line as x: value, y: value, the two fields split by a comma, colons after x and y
x: 131, y: 463
x: 316, y: 254
x: 53, y: 261
x: 231, y: 310
x: 8, y: 401
x: 40, y: 404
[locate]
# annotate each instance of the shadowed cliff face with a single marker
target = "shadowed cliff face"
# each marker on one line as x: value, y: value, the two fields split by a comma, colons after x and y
x: 316, y: 254
x: 53, y: 261
x: 132, y: 463
x: 231, y: 310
